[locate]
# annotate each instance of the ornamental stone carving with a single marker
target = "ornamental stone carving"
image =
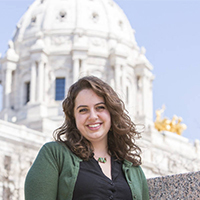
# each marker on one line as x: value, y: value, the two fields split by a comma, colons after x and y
x: 98, y: 42
x: 60, y: 40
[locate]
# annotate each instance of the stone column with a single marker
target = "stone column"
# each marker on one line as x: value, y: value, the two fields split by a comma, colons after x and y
x: 123, y: 84
x: 67, y: 81
x: 139, y: 94
x: 7, y: 87
x: 147, y: 96
x: 117, y: 78
x: 83, y: 71
x: 75, y: 70
x: 40, y: 81
x: 46, y: 83
x: 142, y: 93
x: 3, y: 88
x: 16, y: 90
x: 8, y: 64
x: 33, y: 83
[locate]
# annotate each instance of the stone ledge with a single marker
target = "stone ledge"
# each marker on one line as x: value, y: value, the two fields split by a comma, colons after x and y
x: 180, y: 186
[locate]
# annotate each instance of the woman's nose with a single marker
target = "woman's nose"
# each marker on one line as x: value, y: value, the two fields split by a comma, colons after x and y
x: 93, y: 114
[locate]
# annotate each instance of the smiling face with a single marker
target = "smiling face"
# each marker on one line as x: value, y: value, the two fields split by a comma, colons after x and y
x: 91, y: 115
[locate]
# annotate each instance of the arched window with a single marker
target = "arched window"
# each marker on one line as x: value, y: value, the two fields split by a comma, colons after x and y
x: 60, y: 89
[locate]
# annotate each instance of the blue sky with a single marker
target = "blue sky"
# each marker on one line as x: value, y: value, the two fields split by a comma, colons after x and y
x: 170, y: 32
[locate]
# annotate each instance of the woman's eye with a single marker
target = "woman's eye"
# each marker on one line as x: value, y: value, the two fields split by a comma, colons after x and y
x: 83, y: 110
x: 100, y: 107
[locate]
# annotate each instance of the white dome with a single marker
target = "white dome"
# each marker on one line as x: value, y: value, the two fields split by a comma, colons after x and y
x: 59, y: 41
x: 102, y: 18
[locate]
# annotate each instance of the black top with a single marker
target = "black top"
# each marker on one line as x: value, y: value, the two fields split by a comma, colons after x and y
x: 93, y: 184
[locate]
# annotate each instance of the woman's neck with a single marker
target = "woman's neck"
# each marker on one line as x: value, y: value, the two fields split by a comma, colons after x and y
x: 100, y: 150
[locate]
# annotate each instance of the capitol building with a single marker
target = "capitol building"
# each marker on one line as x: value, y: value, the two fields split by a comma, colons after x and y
x: 55, y: 43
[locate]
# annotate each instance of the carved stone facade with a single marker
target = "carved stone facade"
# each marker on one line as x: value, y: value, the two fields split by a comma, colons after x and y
x: 70, y: 39
x: 18, y: 147
x: 167, y: 153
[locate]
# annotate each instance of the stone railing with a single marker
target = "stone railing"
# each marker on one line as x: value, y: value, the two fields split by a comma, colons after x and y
x: 181, y: 186
x: 18, y: 134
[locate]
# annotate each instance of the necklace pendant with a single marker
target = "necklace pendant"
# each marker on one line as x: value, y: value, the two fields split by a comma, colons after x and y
x: 102, y: 160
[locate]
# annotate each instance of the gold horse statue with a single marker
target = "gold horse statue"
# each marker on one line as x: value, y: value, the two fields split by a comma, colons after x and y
x: 174, y: 125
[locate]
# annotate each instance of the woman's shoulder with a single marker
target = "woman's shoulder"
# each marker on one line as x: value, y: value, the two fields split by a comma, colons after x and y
x: 59, y: 149
x: 55, y: 144
x: 55, y: 147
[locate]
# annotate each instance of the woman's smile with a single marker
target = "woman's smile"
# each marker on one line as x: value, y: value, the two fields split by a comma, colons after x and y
x: 94, y: 127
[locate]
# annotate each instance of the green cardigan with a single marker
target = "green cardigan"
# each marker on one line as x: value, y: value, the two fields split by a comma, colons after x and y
x: 55, y: 170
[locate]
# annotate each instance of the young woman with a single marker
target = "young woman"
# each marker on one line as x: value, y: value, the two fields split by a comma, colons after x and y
x: 94, y: 156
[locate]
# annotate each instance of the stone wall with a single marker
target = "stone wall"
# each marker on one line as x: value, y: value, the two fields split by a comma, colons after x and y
x: 18, y: 148
x: 166, y: 153
x: 181, y: 186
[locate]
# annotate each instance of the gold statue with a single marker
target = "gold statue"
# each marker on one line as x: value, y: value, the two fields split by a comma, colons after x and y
x: 161, y: 124
x: 180, y: 127
x: 173, y: 124
x: 165, y: 124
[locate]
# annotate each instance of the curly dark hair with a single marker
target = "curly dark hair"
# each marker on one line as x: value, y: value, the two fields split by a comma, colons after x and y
x: 121, y: 136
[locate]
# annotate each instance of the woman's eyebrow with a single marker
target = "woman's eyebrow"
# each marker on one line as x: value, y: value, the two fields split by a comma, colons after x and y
x: 81, y: 106
x: 99, y: 103
x: 87, y: 106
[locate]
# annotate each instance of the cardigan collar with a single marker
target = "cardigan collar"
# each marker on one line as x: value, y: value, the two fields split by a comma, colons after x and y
x: 127, y: 163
